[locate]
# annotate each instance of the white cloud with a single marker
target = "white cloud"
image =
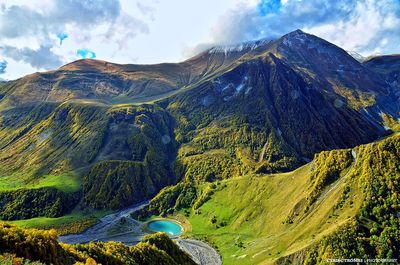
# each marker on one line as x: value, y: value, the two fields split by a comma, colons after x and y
x: 42, y: 58
x: 29, y: 30
x: 366, y: 30
x: 121, y: 31
x: 357, y: 25
x: 134, y: 31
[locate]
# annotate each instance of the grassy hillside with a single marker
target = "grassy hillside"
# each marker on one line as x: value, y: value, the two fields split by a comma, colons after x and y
x: 112, y: 156
x: 66, y: 182
x: 75, y: 222
x: 342, y: 204
x: 249, y: 219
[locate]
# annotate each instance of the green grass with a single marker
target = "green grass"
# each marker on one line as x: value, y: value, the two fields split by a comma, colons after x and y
x: 67, y: 182
x: 45, y: 222
x: 75, y: 222
x: 255, y: 209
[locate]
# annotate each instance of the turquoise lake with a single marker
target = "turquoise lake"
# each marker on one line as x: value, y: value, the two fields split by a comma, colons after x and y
x: 165, y: 226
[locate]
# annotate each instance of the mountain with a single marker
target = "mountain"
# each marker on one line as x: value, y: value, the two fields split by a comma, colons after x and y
x: 123, y: 132
x: 388, y: 65
x: 342, y: 205
x: 98, y: 135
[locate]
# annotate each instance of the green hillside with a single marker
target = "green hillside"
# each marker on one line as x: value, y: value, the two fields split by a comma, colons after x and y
x: 337, y: 206
x: 110, y: 156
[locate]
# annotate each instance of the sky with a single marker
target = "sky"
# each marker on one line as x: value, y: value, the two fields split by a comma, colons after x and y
x: 40, y: 35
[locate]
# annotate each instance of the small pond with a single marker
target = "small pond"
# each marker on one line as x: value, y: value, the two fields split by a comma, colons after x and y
x: 170, y: 227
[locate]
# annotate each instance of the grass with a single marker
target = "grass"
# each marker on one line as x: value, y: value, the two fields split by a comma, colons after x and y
x: 250, y: 213
x: 76, y: 222
x: 67, y: 182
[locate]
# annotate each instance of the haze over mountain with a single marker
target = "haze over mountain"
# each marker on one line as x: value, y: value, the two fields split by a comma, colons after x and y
x: 94, y: 134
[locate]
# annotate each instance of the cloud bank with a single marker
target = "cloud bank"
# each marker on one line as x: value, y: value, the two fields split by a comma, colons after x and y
x: 20, y: 20
x: 43, y: 35
x: 365, y: 26
x: 35, y: 35
x: 42, y: 58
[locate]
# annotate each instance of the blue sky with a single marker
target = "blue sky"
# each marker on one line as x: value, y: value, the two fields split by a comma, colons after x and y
x: 39, y: 35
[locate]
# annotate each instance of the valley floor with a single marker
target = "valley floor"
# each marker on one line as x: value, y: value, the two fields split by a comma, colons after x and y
x: 121, y: 227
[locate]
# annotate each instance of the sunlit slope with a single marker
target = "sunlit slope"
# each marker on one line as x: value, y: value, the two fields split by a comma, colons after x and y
x: 114, y: 135
x: 110, y: 156
x: 349, y: 195
x: 254, y: 215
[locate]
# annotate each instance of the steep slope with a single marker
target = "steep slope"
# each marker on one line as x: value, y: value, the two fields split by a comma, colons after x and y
x: 344, y: 204
x: 272, y: 110
x: 388, y: 67
x: 96, y: 80
x: 260, y: 107
x: 116, y: 156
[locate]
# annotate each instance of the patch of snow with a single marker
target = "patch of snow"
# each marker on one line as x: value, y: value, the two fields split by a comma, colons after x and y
x: 43, y: 136
x: 239, y: 87
x: 227, y: 98
x: 242, y: 84
x: 353, y: 154
x: 248, y: 90
x: 226, y: 87
x: 245, y: 46
x: 356, y: 56
x: 287, y: 42
x: 366, y: 111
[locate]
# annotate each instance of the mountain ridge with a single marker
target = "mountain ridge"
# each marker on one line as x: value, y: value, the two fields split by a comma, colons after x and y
x: 270, y: 122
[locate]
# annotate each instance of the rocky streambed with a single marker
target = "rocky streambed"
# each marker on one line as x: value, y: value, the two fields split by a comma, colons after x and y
x: 121, y: 227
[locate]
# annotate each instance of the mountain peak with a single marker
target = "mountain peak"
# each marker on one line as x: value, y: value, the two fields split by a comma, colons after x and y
x: 239, y: 47
x: 81, y: 63
x: 297, y: 35
x: 297, y: 32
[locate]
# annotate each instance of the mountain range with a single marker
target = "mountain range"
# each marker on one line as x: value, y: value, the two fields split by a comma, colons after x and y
x: 98, y: 135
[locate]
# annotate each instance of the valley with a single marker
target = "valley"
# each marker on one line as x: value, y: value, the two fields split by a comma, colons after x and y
x: 272, y: 152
